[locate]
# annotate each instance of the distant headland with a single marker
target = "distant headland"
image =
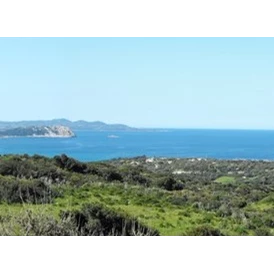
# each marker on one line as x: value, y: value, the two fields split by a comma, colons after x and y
x: 34, y: 131
x: 77, y: 125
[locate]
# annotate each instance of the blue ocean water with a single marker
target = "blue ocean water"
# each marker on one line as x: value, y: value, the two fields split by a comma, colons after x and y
x: 94, y: 146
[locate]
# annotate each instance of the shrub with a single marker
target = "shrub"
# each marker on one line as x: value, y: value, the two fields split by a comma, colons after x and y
x: 204, y: 230
x: 70, y: 164
x: 96, y: 220
x: 25, y: 191
x: 31, y: 223
x: 262, y: 232
x: 139, y: 179
x: 113, y: 176
x: 170, y: 184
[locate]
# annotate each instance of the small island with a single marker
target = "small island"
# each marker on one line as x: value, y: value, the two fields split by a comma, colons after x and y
x: 38, y: 132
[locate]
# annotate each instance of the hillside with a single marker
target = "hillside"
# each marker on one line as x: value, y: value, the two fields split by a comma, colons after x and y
x: 92, y: 126
x: 43, y: 131
x: 138, y: 196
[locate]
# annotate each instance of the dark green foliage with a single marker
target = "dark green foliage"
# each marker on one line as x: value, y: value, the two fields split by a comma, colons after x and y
x: 35, y: 167
x: 113, y: 176
x: 140, y: 179
x: 22, y: 191
x: 98, y: 221
x: 70, y: 164
x: 262, y: 232
x: 170, y: 184
x: 137, y: 178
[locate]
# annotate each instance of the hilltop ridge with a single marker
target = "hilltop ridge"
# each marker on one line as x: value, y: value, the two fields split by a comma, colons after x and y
x: 81, y: 124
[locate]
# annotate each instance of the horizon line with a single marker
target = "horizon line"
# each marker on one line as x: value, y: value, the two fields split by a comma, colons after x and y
x: 143, y: 127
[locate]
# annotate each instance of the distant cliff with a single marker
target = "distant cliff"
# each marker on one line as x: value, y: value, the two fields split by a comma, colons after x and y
x: 45, y: 131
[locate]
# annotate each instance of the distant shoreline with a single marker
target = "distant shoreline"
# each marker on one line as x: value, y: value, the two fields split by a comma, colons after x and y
x: 99, y: 126
x: 41, y: 136
x: 39, y: 132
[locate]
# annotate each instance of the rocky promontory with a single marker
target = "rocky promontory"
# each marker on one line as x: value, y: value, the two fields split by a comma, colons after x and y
x: 44, y: 131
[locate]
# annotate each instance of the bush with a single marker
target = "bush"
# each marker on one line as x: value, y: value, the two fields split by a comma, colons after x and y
x: 91, y: 220
x: 25, y: 191
x: 31, y: 223
x: 70, y: 164
x: 170, y: 184
x: 113, y: 176
x: 204, y: 231
x: 35, y: 167
x: 262, y: 232
x: 139, y: 179
x: 95, y: 220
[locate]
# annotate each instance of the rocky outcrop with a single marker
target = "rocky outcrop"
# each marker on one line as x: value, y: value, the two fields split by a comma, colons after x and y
x: 45, y: 131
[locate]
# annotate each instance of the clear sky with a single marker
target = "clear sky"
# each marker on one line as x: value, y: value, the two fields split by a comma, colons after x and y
x: 143, y: 82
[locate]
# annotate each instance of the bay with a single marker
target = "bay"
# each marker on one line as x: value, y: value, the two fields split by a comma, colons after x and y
x: 95, y: 146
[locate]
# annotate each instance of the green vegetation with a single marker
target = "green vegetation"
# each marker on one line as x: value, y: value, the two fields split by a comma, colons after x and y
x: 226, y: 180
x: 139, y: 196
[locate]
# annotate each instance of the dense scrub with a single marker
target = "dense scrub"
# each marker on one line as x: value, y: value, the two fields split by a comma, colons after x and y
x: 138, y: 196
x: 90, y: 220
x: 14, y: 190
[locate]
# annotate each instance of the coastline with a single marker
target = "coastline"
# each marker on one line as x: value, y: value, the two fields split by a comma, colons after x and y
x: 37, y: 136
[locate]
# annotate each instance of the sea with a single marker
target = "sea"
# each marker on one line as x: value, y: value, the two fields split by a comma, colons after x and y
x: 97, y: 146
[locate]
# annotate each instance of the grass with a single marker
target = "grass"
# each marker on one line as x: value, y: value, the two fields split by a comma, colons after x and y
x: 152, y: 207
x: 226, y: 180
x: 264, y: 204
x: 184, y: 204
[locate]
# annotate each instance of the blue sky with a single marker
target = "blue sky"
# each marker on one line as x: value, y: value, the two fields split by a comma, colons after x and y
x: 143, y: 82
